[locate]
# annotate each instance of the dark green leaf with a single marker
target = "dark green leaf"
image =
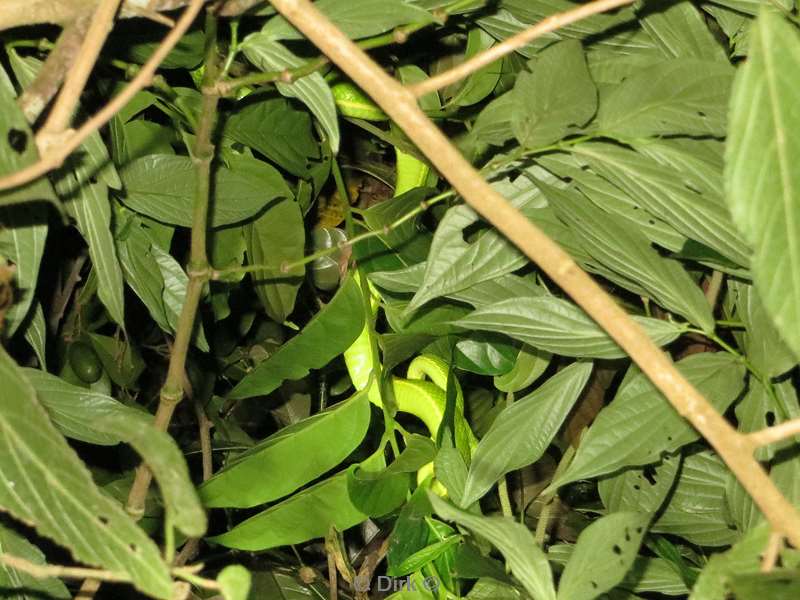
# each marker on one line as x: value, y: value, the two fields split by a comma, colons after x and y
x: 162, y: 186
x: 328, y: 334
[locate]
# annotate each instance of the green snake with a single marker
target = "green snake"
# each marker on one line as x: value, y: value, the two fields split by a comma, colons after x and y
x: 422, y: 392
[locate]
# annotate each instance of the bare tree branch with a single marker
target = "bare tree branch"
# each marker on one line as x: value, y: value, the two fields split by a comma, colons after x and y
x: 776, y: 433
x: 38, y: 94
x: 60, y: 116
x: 400, y: 104
x: 57, y: 154
x: 487, y: 57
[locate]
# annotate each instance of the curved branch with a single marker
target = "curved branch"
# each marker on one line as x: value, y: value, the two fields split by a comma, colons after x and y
x: 515, y: 42
x: 57, y: 154
x: 400, y: 104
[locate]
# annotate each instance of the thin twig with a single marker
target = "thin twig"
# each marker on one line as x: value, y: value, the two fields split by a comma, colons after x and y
x: 771, y: 552
x: 56, y: 155
x: 202, y: 155
x: 714, y: 287
x: 773, y: 434
x: 58, y: 63
x: 45, y: 571
x: 64, y: 107
x: 488, y: 56
x: 401, y: 105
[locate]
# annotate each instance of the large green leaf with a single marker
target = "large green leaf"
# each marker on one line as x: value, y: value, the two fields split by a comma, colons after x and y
x: 277, y: 130
x: 682, y: 95
x: 558, y: 326
x: 628, y: 252
x: 44, y: 483
x: 326, y: 336
x: 454, y: 265
x: 99, y: 419
x: 275, y: 237
x: 762, y: 180
x: 311, y: 90
x: 639, y: 489
x: 19, y: 585
x: 603, y: 554
x: 678, y: 197
x: 356, y: 20
x: 162, y: 186
x: 680, y: 31
x: 556, y: 98
x: 697, y: 507
x: 87, y: 201
x: 323, y: 440
x: 640, y: 425
x: 524, y: 557
x: 522, y: 432
x: 307, y: 515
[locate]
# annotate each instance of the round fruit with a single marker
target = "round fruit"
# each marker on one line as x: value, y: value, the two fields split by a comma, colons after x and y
x: 85, y: 362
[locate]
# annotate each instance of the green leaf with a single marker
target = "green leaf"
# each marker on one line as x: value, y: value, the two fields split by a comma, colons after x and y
x: 761, y: 179
x: 275, y: 129
x: 628, y: 252
x: 36, y: 334
x: 641, y: 490
x: 493, y: 124
x: 19, y: 585
x: 523, y: 556
x: 603, y: 554
x: 176, y: 282
x: 558, y: 97
x: 23, y: 231
x: 775, y: 584
x: 277, y: 237
x: 696, y: 509
x: 74, y: 410
x: 307, y: 515
x: 558, y: 326
x: 44, y: 483
x: 676, y: 196
x: 324, y: 440
x: 454, y: 265
x: 162, y: 186
x: 18, y: 150
x: 98, y: 419
x: 679, y: 96
x: 88, y: 203
x: 121, y: 360
x: 234, y: 582
x: 326, y: 336
x: 763, y: 345
x: 521, y: 433
x: 311, y: 90
x: 640, y: 425
x: 481, y: 83
x: 364, y: 19
x: 680, y: 31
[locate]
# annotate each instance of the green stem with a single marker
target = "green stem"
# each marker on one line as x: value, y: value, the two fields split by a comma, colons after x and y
x: 286, y: 268
x: 502, y: 486
x: 547, y: 499
x: 172, y: 391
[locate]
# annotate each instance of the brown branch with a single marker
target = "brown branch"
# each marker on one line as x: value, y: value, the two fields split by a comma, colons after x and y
x: 771, y: 553
x: 56, y: 155
x: 202, y: 155
x: 515, y: 42
x: 60, y: 115
x: 400, y: 104
x: 773, y: 434
x: 49, y: 78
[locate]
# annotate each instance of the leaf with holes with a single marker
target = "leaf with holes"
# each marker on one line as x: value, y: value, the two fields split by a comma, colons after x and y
x: 603, y: 554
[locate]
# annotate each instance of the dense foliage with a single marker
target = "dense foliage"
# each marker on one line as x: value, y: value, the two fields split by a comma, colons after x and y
x: 380, y: 389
